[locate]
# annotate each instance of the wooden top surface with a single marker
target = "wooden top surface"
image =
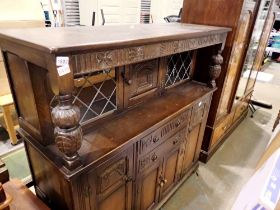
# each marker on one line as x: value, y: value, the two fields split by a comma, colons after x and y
x: 67, y: 39
x: 23, y: 198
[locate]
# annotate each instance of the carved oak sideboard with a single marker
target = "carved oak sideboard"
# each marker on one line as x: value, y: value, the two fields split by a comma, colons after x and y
x: 110, y: 116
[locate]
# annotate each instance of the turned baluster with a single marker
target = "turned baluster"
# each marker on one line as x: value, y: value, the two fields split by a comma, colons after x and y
x: 215, y: 69
x: 68, y: 132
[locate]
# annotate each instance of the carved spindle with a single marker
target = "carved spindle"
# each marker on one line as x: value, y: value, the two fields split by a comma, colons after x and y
x: 215, y: 69
x: 68, y: 132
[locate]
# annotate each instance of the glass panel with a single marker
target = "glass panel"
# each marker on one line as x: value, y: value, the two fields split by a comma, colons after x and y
x: 95, y: 95
x: 179, y: 68
x: 248, y: 76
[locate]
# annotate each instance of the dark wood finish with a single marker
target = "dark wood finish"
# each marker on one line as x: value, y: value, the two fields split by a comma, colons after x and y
x: 22, y: 197
x: 133, y: 157
x: 141, y: 80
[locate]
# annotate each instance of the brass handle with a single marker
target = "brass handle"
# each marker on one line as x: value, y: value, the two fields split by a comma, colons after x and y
x: 162, y: 181
x: 155, y: 139
x: 127, y: 81
x: 154, y: 157
x: 225, y: 127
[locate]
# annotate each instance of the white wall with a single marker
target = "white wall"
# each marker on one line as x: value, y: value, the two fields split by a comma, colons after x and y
x: 115, y: 11
x: 126, y: 11
x: 20, y: 10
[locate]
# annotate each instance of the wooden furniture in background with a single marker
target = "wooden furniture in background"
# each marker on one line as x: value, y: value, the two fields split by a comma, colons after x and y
x: 225, y: 112
x: 7, y: 107
x: 111, y: 122
x: 22, y: 197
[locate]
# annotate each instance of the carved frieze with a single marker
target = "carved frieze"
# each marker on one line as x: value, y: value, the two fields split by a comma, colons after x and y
x: 95, y: 61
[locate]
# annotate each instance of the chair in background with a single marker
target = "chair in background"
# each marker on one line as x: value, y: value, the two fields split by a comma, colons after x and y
x: 173, y: 18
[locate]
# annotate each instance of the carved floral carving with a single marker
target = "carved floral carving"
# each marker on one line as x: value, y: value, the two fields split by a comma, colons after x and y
x: 112, y: 174
x: 215, y: 69
x: 68, y: 133
x: 104, y: 58
x: 135, y: 53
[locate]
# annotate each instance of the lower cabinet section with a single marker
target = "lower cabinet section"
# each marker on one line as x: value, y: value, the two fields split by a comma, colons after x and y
x: 140, y: 176
x: 159, y: 171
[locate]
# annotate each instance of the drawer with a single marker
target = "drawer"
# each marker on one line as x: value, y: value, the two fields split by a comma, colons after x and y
x: 240, y: 109
x: 158, y: 136
x: 198, y: 112
x: 152, y: 158
x: 221, y: 129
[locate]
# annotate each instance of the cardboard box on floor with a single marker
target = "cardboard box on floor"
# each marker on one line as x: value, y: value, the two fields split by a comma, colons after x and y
x: 262, y: 191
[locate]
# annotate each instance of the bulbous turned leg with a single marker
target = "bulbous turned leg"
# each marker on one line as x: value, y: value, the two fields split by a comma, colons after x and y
x: 215, y: 69
x: 68, y: 132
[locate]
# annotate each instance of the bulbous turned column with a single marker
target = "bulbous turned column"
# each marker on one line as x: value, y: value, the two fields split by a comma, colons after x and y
x: 68, y: 132
x: 215, y: 69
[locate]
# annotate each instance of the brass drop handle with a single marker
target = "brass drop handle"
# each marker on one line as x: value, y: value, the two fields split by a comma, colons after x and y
x: 162, y: 181
x: 155, y: 139
x: 154, y: 157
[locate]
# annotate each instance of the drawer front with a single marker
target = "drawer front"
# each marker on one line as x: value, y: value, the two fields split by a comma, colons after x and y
x: 222, y: 128
x: 240, y: 109
x: 157, y: 137
x: 157, y: 154
x: 198, y: 112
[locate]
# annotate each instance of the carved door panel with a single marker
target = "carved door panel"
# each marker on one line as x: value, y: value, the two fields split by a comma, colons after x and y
x: 190, y: 148
x: 147, y: 186
x: 140, y: 81
x: 114, y: 183
x: 172, y: 163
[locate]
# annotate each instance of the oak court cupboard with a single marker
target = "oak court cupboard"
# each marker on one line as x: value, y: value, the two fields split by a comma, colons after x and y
x: 111, y: 116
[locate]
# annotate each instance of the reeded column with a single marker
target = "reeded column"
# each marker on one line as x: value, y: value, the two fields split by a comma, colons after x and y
x: 68, y: 132
x: 215, y: 69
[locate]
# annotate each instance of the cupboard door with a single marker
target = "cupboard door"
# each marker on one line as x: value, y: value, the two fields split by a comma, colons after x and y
x: 190, y: 148
x: 114, y: 183
x: 148, y: 187
x: 140, y: 81
x: 172, y: 164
